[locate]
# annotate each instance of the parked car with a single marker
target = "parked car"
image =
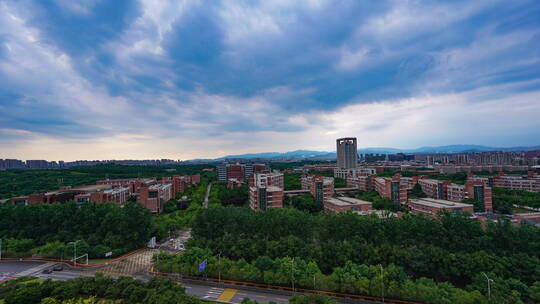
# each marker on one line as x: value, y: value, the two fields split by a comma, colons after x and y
x: 58, y: 268
x: 46, y: 271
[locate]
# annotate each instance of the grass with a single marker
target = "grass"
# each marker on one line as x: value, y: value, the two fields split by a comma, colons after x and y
x: 520, y: 210
x: 95, y: 261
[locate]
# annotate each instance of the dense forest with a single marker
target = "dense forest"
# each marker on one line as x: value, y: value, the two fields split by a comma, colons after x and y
x: 24, y: 182
x: 93, y: 290
x: 453, y: 248
x: 47, y: 229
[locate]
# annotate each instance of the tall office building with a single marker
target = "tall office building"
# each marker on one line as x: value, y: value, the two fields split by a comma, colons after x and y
x: 347, y: 154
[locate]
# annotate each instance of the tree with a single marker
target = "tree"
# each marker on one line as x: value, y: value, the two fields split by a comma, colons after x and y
x: 417, y: 191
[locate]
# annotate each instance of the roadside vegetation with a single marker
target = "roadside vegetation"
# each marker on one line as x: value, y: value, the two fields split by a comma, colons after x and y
x: 433, y: 260
x: 94, y: 290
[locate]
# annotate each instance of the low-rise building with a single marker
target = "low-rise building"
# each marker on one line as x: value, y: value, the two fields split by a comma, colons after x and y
x: 119, y: 195
x: 431, y: 206
x: 434, y: 188
x: 319, y: 187
x: 266, y: 190
x: 343, y: 204
x: 361, y: 182
x: 517, y: 182
x: 155, y: 196
x: 391, y: 188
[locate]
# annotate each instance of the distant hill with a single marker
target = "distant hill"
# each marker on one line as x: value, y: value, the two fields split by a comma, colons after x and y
x: 315, y: 155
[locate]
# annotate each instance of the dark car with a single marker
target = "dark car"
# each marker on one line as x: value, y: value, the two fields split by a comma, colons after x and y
x: 46, y: 271
x: 58, y: 268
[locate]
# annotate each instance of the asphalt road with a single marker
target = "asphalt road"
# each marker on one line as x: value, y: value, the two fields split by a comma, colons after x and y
x: 234, y: 295
x: 11, y: 269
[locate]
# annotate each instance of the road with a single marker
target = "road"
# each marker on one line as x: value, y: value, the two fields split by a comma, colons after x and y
x: 205, y: 202
x: 12, y: 269
x: 202, y: 290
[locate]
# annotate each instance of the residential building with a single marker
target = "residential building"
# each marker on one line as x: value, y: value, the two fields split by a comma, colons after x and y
x: 343, y: 204
x: 431, y: 207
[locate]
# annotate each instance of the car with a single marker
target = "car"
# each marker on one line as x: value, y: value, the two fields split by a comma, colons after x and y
x: 46, y: 271
x: 58, y: 268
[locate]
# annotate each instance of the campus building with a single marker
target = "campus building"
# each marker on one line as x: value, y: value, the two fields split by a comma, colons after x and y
x: 391, y: 188
x: 343, y: 204
x: 241, y: 172
x: 119, y: 195
x: 529, y: 182
x: 434, y: 188
x: 266, y: 190
x: 431, y: 207
x: 347, y: 156
x: 154, y: 197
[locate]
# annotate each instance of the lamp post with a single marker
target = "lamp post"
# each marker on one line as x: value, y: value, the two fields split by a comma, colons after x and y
x: 382, y: 282
x: 292, y: 274
x: 488, y: 285
x: 219, y: 267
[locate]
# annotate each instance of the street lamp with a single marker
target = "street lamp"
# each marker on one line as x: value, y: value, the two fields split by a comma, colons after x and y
x: 292, y: 274
x: 382, y: 281
x: 219, y: 267
x: 488, y: 285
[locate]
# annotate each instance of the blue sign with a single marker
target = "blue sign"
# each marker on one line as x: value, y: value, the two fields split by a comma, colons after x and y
x: 202, y: 266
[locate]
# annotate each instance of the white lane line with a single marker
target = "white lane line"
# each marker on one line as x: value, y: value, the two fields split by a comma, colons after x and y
x: 36, y: 269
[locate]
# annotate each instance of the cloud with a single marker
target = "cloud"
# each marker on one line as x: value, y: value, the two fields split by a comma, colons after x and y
x: 185, y: 79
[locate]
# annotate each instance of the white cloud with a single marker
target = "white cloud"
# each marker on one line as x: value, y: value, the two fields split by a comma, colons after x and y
x: 82, y: 7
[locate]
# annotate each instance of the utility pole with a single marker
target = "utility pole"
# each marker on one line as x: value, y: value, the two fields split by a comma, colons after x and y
x: 488, y: 286
x: 0, y: 249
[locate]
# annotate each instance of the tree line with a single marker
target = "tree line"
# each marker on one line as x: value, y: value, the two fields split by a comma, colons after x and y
x: 47, y: 229
x: 451, y: 248
x: 98, y: 289
x: 373, y: 280
x: 24, y: 182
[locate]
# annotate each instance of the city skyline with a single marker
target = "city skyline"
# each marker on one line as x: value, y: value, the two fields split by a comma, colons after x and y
x: 187, y: 80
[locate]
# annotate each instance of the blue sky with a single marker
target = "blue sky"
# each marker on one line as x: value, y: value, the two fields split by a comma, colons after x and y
x: 100, y: 79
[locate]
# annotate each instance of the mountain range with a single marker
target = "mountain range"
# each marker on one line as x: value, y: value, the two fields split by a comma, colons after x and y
x: 308, y: 154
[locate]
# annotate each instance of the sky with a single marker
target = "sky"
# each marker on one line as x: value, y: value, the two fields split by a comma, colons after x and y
x: 148, y: 79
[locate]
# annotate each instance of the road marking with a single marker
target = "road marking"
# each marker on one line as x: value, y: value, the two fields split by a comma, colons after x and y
x: 242, y: 294
x: 35, y: 269
x: 261, y: 296
x: 227, y: 295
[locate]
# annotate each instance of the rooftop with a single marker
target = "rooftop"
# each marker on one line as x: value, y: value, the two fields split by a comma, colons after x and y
x: 346, y: 201
x: 439, y: 203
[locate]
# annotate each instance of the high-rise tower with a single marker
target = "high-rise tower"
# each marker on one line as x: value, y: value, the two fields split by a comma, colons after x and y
x: 347, y: 154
